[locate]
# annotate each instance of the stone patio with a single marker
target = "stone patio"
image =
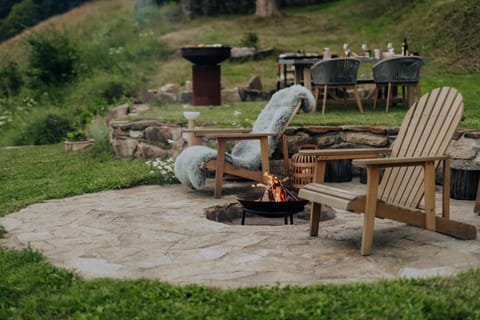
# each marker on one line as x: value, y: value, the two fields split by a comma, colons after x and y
x: 160, y: 232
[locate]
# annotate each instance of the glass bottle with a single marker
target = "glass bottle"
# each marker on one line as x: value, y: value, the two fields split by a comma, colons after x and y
x: 404, y: 47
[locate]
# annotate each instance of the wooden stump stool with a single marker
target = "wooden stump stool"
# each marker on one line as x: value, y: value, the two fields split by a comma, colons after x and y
x: 338, y: 171
x: 464, y: 180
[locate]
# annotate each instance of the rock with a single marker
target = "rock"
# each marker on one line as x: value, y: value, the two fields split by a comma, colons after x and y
x: 159, y: 96
x: 118, y: 113
x: 364, y: 138
x: 148, y: 151
x: 247, y: 94
x: 136, y: 109
x: 255, y: 83
x: 462, y: 148
x: 124, y: 147
x: 171, y: 88
x: 230, y: 95
x: 322, y: 129
x: 188, y: 85
x: 186, y: 97
x: 143, y: 124
x: 159, y: 136
x: 326, y: 140
x: 135, y: 134
x: 240, y: 53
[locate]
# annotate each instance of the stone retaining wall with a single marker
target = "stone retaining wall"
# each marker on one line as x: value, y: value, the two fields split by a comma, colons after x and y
x: 156, y: 139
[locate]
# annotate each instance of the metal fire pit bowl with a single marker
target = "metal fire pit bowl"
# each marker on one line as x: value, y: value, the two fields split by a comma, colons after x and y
x: 269, y: 209
x: 210, y: 55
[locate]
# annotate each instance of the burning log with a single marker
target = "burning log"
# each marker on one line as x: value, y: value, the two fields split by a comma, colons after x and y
x: 275, y: 190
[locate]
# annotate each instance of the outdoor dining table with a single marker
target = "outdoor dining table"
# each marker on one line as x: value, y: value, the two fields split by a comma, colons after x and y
x: 303, y: 63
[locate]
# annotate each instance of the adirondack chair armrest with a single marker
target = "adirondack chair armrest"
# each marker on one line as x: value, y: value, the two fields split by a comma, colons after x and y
x: 239, y: 135
x: 399, y: 162
x: 201, y: 132
x: 322, y: 156
x: 339, y: 154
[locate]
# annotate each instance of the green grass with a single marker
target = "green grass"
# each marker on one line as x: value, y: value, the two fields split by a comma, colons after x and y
x: 33, y: 174
x: 31, y: 288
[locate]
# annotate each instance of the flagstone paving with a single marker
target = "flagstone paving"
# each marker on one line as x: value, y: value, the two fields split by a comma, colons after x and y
x: 160, y: 232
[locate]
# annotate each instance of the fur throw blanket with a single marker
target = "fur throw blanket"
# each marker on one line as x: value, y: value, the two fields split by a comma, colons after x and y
x: 246, y: 154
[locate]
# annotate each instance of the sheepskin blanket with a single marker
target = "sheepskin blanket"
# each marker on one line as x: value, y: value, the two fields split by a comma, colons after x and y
x: 247, y: 153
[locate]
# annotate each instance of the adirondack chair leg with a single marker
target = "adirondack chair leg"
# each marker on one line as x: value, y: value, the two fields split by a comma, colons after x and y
x: 373, y: 176
x: 429, y: 184
x: 220, y: 167
x: 446, y: 189
x: 315, y: 211
x: 264, y: 154
x: 315, y: 218
x: 286, y: 164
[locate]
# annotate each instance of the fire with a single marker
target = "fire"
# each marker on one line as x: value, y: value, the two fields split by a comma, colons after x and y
x: 275, y: 191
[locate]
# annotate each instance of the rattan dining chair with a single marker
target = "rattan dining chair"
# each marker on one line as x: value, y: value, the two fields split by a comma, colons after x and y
x: 397, y: 72
x: 333, y: 74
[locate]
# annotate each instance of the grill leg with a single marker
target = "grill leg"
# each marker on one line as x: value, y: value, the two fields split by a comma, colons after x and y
x: 243, y: 217
x: 291, y: 218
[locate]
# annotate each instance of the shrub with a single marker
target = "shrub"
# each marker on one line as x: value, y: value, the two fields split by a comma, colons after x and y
x: 22, y: 15
x: 250, y: 40
x: 52, y: 58
x: 45, y: 129
x: 10, y: 79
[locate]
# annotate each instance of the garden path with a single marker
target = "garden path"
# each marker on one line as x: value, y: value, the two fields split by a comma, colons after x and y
x: 160, y: 232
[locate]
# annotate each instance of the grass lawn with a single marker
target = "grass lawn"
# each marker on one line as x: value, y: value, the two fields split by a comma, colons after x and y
x: 31, y: 288
x: 148, y: 56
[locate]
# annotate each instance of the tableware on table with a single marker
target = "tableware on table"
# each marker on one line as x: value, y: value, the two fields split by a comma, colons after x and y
x: 390, y: 48
x: 326, y: 54
x: 346, y: 49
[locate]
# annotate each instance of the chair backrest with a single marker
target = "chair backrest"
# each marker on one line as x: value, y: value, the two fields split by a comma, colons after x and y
x: 397, y: 70
x: 426, y: 130
x: 275, y: 117
x: 335, y: 71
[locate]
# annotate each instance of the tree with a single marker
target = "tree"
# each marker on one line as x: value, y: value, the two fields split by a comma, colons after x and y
x: 267, y: 8
x: 6, y: 6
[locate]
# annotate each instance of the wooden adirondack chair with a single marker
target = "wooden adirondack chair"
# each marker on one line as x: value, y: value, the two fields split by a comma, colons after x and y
x: 268, y: 130
x: 409, y: 175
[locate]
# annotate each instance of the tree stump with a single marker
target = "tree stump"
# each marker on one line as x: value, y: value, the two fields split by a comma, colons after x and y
x: 464, y: 180
x: 363, y: 174
x: 338, y: 171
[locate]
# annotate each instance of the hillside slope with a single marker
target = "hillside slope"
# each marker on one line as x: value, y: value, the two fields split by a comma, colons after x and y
x: 309, y: 29
x: 116, y: 52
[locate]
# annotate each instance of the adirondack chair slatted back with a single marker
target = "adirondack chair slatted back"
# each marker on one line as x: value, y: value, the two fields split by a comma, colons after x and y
x: 427, y: 130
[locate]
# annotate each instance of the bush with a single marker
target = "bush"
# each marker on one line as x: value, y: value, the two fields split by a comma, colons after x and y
x: 44, y: 129
x: 10, y: 80
x: 52, y: 58
x: 250, y: 40
x: 22, y: 15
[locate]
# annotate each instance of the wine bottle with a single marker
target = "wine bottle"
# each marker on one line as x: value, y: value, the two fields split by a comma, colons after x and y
x: 405, y: 47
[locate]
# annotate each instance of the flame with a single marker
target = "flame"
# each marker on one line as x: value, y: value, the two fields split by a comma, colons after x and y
x: 275, y: 189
